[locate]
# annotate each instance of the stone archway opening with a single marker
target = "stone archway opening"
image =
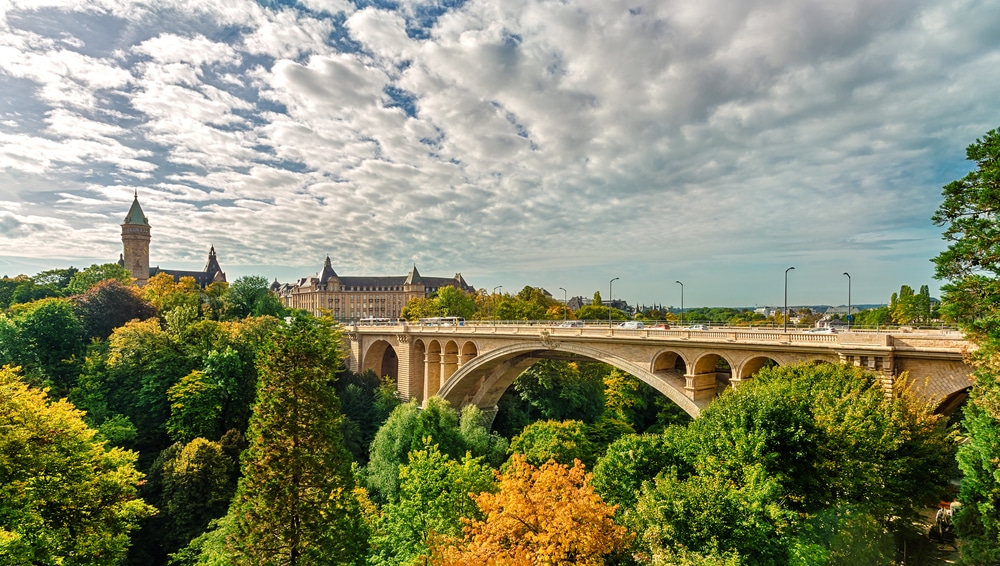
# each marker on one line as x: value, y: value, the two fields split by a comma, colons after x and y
x: 381, y: 358
x: 390, y: 364
x: 717, y: 367
x: 670, y: 362
x: 484, y: 379
x: 752, y: 366
x: 469, y: 351
x: 952, y: 405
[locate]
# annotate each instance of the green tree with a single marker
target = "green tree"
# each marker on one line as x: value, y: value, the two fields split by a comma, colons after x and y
x: 905, y: 307
x: 59, y: 278
x: 795, y: 444
x: 559, y: 390
x: 251, y: 295
x: 130, y: 375
x: 455, y: 302
x: 628, y: 399
x: 24, y: 289
x: 515, y: 308
x: 295, y: 504
x: 196, y: 488
x: 634, y: 459
x: 420, y: 307
x: 599, y: 313
x: 83, y: 280
x: 64, y: 497
x: 873, y: 318
x: 366, y: 401
x: 477, y: 437
x: 195, y: 408
x: 434, y: 497
x: 409, y: 428
x: 970, y: 214
x: 214, y: 299
x: 561, y: 441
x: 44, y: 338
x: 389, y: 449
x: 923, y: 304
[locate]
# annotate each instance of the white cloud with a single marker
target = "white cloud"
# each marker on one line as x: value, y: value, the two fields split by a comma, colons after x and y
x: 195, y: 51
x: 288, y: 34
x: 525, y: 140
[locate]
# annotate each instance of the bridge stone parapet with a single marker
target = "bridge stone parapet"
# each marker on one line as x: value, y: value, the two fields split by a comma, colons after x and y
x: 476, y: 363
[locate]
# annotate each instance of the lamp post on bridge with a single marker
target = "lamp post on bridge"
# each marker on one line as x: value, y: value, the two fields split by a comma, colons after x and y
x: 682, y: 301
x: 610, y: 298
x: 785, y: 328
x: 848, y: 299
x: 565, y: 304
x: 494, y: 301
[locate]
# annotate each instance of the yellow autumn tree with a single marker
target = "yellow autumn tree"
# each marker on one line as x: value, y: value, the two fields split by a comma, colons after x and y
x: 540, y: 516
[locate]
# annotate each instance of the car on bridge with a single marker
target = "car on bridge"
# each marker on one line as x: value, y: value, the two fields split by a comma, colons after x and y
x: 632, y: 324
x: 820, y: 330
x: 572, y: 324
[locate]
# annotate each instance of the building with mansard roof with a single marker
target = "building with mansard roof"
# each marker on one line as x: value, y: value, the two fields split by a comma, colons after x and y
x: 135, y: 255
x: 357, y: 297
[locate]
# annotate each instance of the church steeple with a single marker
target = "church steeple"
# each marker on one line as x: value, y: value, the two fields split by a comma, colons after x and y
x: 135, y: 240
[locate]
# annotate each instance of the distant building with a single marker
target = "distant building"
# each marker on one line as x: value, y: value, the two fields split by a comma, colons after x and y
x: 351, y: 297
x: 135, y: 256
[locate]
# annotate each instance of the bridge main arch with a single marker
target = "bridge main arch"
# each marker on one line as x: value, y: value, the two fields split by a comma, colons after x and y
x: 484, y: 379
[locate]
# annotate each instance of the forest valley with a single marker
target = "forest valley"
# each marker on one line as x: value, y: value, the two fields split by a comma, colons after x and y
x: 178, y: 425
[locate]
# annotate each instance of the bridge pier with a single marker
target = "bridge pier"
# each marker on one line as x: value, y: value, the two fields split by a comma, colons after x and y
x: 699, y: 386
x: 432, y: 374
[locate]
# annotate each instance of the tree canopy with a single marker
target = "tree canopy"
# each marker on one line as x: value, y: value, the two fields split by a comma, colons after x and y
x: 294, y: 503
x: 970, y: 215
x: 64, y: 497
x: 768, y: 464
x: 547, y: 515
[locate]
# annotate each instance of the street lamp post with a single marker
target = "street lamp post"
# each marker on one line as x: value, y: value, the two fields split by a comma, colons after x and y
x: 848, y: 299
x: 785, y: 328
x: 495, y: 303
x: 682, y: 301
x: 610, y: 298
x: 565, y: 304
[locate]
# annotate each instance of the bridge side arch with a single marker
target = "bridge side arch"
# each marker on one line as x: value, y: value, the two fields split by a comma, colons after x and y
x: 381, y: 358
x: 484, y: 379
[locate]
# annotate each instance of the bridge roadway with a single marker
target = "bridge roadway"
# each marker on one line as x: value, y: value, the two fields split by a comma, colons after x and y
x: 476, y: 363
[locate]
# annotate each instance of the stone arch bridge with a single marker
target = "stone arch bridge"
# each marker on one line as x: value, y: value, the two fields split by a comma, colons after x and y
x: 476, y: 363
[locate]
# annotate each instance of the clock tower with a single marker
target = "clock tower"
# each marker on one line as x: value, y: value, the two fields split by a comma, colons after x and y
x: 135, y: 239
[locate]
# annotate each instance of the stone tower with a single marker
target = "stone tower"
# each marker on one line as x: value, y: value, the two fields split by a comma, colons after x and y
x: 135, y: 239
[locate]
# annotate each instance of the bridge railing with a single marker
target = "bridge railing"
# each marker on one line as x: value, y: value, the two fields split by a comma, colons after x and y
x: 939, y: 340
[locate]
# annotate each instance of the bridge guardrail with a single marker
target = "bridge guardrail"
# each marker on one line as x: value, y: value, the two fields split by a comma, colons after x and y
x: 938, y: 341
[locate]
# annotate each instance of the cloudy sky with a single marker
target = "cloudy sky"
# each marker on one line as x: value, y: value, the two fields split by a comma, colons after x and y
x: 556, y: 143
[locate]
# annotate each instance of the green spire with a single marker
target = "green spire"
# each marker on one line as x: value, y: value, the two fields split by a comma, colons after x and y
x: 135, y: 215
